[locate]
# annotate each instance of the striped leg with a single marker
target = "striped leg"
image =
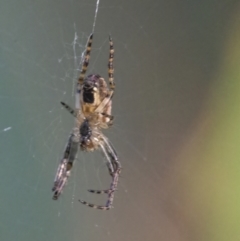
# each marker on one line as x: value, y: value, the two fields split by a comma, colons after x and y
x: 69, y: 109
x: 114, y: 168
x: 110, y: 66
x: 111, y: 191
x: 86, y: 60
x: 65, y: 166
x: 110, y: 78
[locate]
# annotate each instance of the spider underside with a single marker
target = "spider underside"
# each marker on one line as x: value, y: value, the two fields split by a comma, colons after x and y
x: 95, y: 101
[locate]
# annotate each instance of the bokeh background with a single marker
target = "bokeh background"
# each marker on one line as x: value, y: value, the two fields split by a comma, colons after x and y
x: 176, y: 128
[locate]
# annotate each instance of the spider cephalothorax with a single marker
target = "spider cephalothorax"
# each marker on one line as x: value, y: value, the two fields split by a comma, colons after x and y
x: 93, y: 113
x: 95, y: 100
x: 91, y: 89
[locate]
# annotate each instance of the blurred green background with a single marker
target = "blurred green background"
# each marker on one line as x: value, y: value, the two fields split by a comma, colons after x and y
x: 211, y: 154
x: 176, y: 119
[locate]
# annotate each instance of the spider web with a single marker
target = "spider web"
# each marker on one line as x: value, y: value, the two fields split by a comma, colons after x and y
x: 40, y: 63
x: 156, y: 111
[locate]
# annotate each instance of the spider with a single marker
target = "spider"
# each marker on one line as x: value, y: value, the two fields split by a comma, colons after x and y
x: 94, y: 98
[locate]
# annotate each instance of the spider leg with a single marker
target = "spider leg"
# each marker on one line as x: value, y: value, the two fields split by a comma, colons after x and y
x: 109, y: 160
x: 103, y: 104
x: 65, y: 165
x: 107, y: 191
x: 110, y: 78
x: 69, y: 109
x: 110, y: 65
x: 60, y: 179
x: 86, y: 60
x: 110, y: 194
x: 112, y: 153
x: 114, y: 168
x: 110, y: 170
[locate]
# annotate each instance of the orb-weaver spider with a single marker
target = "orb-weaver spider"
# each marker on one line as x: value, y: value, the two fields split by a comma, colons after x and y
x: 95, y: 100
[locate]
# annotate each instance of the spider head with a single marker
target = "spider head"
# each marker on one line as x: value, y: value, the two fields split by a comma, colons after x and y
x: 91, y: 88
x: 85, y: 134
